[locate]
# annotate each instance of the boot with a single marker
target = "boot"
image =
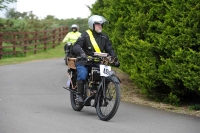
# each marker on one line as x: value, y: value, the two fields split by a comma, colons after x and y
x: 80, y: 89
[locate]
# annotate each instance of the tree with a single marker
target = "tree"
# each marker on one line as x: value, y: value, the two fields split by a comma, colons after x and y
x: 11, y: 13
x: 3, y: 3
x: 49, y: 17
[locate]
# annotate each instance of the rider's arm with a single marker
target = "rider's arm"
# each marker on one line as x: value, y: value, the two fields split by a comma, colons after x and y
x: 78, y: 45
x: 108, y: 47
x: 66, y: 39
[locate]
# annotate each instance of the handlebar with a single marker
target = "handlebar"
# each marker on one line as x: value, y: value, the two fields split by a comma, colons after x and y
x: 104, y: 60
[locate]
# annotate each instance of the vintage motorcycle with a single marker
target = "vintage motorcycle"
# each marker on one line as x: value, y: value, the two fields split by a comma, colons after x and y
x: 101, y: 89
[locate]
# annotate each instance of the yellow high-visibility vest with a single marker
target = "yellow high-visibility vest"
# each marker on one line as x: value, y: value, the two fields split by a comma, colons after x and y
x: 71, y: 37
x: 93, y: 41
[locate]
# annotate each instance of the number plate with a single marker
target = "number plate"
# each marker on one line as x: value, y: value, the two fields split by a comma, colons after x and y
x: 104, y: 70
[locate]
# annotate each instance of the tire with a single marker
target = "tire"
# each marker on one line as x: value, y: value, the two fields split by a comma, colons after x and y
x: 75, y: 106
x: 66, y: 60
x: 106, y: 110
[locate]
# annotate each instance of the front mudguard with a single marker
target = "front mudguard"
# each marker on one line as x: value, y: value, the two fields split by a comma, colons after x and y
x: 109, y: 79
x: 114, y: 79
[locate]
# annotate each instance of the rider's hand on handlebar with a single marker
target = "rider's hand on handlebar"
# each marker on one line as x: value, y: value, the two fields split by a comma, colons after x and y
x: 83, y: 56
x: 82, y: 59
x: 116, y: 62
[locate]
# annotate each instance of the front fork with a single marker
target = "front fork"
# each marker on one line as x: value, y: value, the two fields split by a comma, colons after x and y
x: 101, y: 90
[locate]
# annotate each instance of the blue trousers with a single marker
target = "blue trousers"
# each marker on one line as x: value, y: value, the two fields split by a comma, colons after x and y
x: 83, y: 71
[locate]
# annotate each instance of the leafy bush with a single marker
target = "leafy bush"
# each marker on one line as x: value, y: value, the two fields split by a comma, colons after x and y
x: 195, y: 107
x: 158, y: 44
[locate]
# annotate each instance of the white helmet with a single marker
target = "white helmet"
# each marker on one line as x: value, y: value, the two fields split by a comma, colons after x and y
x: 74, y: 26
x: 95, y: 19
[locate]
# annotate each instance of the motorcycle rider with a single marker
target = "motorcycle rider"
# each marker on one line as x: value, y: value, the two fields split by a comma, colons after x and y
x: 83, y: 47
x: 71, y: 38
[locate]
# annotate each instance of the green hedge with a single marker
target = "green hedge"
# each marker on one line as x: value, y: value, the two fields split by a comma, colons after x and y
x: 158, y: 44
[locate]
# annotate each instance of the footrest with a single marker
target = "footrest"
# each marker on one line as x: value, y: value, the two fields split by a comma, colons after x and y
x: 67, y: 88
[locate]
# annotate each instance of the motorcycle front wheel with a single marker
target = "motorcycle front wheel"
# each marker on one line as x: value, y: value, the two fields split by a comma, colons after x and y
x: 107, y: 106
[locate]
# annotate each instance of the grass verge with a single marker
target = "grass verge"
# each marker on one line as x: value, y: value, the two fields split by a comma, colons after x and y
x: 57, y: 52
x: 131, y: 93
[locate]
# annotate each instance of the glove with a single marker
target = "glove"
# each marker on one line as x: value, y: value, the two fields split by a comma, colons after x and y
x: 83, y: 56
x: 116, y: 62
x: 82, y: 60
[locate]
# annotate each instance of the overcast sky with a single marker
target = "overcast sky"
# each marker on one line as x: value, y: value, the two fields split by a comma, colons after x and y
x: 61, y: 9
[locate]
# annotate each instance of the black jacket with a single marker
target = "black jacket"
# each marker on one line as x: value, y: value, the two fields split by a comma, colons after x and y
x: 84, y: 45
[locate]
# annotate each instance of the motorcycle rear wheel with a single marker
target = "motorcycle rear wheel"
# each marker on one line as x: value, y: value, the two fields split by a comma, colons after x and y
x: 74, y: 104
x: 107, y: 107
x: 73, y: 96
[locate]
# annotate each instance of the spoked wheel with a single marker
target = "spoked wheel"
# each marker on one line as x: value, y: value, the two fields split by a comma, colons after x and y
x: 107, y: 107
x: 73, y: 97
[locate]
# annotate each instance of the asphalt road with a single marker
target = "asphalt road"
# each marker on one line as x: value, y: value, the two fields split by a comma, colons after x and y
x: 32, y: 100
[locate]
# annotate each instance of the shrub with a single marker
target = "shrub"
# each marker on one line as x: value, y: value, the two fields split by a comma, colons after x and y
x: 158, y: 44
